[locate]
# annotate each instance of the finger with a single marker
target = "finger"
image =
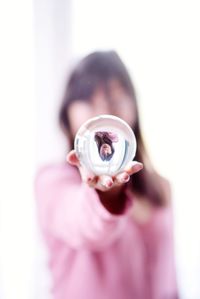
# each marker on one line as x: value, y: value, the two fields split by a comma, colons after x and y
x: 121, y: 178
x: 133, y: 167
x: 99, y: 183
x: 86, y: 175
x: 72, y: 158
x: 92, y: 181
x: 105, y: 181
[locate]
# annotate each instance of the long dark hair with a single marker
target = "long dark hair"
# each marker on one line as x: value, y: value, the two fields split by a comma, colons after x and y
x: 92, y: 72
x: 104, y: 140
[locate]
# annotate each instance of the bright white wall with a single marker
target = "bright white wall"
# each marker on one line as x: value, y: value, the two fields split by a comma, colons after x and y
x: 52, y: 28
x: 34, y: 54
x: 52, y: 24
x: 17, y: 163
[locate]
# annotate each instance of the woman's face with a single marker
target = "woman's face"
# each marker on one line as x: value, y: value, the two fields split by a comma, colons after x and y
x: 105, y: 150
x: 118, y: 103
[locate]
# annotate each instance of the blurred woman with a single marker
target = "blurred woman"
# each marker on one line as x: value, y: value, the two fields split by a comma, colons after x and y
x: 108, y: 237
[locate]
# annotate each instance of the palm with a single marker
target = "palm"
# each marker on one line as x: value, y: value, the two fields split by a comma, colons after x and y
x: 104, y: 182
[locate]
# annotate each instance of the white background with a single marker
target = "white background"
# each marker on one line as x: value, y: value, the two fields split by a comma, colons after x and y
x: 159, y: 42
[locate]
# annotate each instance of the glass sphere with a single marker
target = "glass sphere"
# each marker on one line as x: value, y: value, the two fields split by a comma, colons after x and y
x: 105, y: 144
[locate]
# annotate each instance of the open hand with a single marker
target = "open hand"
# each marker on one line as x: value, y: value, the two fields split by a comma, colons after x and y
x: 104, y: 182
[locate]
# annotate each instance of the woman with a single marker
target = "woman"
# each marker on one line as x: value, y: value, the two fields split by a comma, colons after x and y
x: 108, y: 237
x: 104, y: 141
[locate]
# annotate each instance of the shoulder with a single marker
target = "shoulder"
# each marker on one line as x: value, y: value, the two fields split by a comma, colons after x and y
x: 49, y: 173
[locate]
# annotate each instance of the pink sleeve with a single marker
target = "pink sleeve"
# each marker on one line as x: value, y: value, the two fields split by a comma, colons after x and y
x: 70, y: 210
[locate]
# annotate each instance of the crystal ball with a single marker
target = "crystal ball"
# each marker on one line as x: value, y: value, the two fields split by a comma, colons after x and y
x: 105, y: 144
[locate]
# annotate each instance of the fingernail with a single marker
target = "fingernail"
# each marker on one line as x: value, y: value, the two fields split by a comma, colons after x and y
x: 127, y: 178
x: 138, y: 165
x: 107, y: 184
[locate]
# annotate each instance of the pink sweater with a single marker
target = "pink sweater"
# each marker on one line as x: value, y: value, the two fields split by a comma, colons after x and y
x: 98, y: 255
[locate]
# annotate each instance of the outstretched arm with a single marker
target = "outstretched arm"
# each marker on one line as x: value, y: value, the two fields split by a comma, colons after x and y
x: 71, y: 211
x: 82, y: 211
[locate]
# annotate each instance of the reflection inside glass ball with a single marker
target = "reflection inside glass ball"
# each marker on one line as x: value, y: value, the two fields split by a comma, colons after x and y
x: 105, y: 144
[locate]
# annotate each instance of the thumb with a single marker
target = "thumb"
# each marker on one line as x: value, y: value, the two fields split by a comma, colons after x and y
x: 72, y: 158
